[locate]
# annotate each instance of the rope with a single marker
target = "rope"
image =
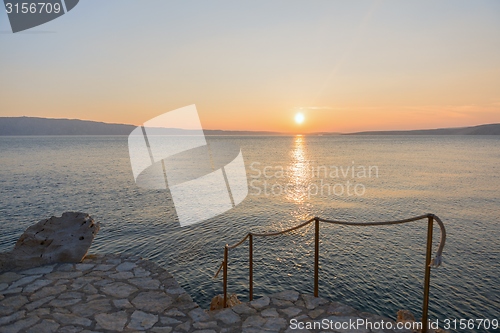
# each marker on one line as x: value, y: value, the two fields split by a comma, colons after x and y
x: 438, y: 259
x: 218, y: 271
x: 281, y: 232
x: 435, y: 262
x: 364, y: 224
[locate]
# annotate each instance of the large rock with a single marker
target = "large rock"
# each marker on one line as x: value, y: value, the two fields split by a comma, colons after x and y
x: 58, y: 239
x: 218, y: 302
x: 405, y: 316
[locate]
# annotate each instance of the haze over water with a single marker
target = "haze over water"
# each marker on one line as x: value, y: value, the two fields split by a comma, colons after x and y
x: 377, y: 269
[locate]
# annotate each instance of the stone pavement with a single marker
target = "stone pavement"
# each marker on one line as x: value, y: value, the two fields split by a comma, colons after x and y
x: 121, y: 293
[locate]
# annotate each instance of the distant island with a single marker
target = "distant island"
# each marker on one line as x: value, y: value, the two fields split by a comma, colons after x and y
x: 489, y: 129
x: 49, y: 126
x: 29, y: 126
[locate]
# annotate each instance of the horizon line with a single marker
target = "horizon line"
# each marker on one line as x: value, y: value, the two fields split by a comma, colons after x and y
x: 261, y: 131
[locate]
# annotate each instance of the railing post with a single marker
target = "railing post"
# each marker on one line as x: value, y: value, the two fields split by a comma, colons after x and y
x: 250, y: 265
x: 316, y: 257
x: 425, y: 307
x: 225, y: 276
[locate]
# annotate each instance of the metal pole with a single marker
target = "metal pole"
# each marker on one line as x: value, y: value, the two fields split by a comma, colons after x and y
x: 425, y: 307
x: 225, y: 276
x: 316, y: 257
x: 250, y: 265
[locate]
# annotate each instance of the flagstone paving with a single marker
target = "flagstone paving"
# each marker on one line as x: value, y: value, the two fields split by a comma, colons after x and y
x: 122, y: 293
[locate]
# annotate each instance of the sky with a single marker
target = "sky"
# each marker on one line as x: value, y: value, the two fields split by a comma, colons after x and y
x: 346, y: 66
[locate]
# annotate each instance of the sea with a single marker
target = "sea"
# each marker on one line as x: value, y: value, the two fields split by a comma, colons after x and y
x: 379, y: 269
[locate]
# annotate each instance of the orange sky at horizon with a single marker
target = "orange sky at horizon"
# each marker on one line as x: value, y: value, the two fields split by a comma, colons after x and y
x: 317, y: 119
x: 348, y: 67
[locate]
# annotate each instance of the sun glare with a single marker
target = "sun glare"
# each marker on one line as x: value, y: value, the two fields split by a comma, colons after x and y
x: 299, y: 118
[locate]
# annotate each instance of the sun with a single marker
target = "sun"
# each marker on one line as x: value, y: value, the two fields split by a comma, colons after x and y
x: 299, y: 118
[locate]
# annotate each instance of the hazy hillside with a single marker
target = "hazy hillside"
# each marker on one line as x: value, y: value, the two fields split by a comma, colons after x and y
x: 46, y: 126
x: 490, y: 129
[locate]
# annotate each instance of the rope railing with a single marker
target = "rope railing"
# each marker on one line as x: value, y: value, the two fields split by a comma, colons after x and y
x: 429, y: 263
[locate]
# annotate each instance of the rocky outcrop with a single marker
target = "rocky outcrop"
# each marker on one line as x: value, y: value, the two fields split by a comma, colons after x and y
x: 55, y: 240
x: 218, y: 302
x: 123, y: 293
x: 405, y: 316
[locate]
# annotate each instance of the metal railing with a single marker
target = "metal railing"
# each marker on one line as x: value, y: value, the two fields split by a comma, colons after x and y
x: 428, y: 261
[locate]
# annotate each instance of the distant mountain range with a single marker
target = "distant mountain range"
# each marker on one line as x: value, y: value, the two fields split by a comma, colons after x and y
x: 489, y: 129
x: 48, y: 126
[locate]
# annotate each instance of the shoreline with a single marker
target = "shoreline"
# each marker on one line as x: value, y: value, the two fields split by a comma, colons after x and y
x: 125, y: 293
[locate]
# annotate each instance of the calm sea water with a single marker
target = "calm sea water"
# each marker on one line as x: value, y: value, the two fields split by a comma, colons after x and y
x: 377, y: 269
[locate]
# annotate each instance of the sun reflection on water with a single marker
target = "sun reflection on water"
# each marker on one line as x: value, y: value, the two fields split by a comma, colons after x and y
x: 299, y: 178
x: 298, y: 172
